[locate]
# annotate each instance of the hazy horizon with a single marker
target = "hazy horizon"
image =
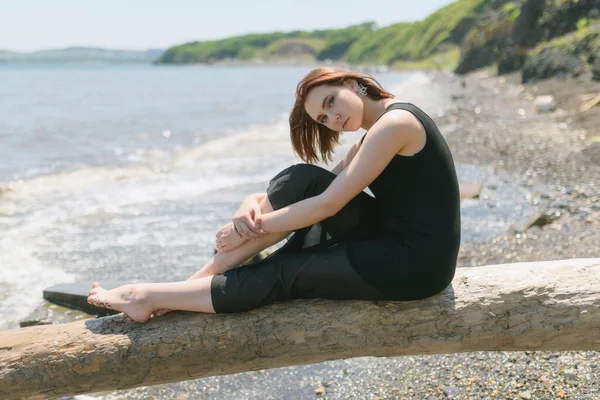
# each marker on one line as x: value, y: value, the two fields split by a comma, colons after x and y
x: 146, y: 25
x: 81, y: 47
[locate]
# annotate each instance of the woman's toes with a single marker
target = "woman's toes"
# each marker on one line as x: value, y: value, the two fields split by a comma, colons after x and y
x: 95, y: 284
x: 95, y: 290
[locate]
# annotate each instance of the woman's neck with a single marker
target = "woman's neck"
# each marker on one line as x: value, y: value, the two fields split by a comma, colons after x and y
x: 374, y: 109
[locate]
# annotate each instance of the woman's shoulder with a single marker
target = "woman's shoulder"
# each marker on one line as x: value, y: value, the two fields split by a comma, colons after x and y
x: 408, y: 126
x: 399, y: 117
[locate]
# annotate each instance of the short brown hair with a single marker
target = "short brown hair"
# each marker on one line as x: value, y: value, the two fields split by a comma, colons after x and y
x: 313, y: 141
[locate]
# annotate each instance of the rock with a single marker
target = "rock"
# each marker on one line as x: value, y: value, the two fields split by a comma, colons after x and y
x: 74, y: 295
x: 592, y: 153
x: 541, y: 220
x: 570, y: 376
x: 525, y: 395
x: 474, y: 58
x: 450, y: 391
x: 590, y: 377
x: 511, y: 61
x: 546, y: 383
x: 35, y: 322
x: 47, y: 313
x: 552, y: 62
x: 526, y: 32
x: 320, y: 390
x: 544, y: 103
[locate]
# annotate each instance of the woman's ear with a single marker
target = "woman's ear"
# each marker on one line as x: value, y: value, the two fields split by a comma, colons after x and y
x: 352, y: 84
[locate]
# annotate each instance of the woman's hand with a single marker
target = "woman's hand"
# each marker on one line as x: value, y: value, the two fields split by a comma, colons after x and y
x: 247, y: 219
x: 228, y: 239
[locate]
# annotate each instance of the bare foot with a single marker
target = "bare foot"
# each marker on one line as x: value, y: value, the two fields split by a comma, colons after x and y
x: 128, y: 299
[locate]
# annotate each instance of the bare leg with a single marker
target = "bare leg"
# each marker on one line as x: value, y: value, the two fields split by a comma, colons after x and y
x: 139, y: 301
x: 222, y: 262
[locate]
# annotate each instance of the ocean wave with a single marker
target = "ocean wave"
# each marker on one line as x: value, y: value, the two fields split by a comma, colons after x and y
x: 222, y: 159
x: 23, y: 277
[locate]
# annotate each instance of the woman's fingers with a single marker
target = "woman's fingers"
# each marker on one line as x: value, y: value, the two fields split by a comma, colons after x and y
x: 247, y: 230
x: 238, y: 226
x: 258, y: 222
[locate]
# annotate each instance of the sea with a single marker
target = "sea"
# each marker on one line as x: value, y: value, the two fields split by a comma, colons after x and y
x: 125, y: 172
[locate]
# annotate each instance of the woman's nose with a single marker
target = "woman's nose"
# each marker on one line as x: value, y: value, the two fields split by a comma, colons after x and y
x: 335, y: 117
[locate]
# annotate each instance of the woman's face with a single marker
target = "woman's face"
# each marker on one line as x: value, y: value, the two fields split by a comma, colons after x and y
x: 339, y: 108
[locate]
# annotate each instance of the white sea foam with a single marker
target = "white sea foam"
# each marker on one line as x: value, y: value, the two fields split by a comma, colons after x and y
x: 23, y: 278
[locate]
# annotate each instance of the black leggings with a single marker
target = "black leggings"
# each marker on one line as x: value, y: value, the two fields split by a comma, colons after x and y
x: 314, y: 263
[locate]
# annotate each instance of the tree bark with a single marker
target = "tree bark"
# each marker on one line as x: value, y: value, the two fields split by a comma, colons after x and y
x: 553, y: 305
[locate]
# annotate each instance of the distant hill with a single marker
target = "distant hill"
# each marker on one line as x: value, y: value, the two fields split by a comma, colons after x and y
x: 542, y: 37
x: 81, y: 55
x: 434, y: 40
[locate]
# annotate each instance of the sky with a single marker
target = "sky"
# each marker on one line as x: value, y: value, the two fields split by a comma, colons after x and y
x: 29, y: 25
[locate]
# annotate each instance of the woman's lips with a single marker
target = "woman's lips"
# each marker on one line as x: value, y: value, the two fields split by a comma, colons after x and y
x: 345, y: 122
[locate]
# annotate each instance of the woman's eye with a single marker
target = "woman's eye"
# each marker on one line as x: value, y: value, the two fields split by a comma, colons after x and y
x: 331, y: 101
x: 324, y: 119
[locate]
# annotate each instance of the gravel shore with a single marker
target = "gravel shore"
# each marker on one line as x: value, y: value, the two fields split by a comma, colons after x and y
x: 491, y: 122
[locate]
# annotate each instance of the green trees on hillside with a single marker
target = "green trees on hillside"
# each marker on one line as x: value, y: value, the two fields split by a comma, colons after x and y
x: 363, y: 43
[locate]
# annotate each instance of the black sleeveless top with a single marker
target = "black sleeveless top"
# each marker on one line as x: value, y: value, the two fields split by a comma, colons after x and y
x: 419, y: 210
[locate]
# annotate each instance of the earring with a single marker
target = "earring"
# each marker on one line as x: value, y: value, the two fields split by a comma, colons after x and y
x: 362, y: 90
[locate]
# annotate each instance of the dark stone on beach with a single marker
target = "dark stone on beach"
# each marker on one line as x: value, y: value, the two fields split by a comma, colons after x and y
x: 552, y: 62
x: 35, y: 322
x: 74, y: 295
x: 539, y: 221
x: 592, y: 153
x: 570, y: 377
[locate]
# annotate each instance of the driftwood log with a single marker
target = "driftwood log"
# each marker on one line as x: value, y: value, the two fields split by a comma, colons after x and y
x: 552, y: 305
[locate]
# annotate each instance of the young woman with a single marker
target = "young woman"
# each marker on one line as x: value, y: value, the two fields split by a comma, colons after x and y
x: 401, y: 244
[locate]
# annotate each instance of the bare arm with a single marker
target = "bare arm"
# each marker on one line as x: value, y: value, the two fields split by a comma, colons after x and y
x: 390, y: 135
x: 257, y: 196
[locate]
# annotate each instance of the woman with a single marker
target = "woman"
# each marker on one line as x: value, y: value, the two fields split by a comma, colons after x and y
x: 400, y: 245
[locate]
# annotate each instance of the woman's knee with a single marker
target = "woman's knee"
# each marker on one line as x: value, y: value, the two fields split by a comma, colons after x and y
x: 298, y: 182
x: 246, y: 288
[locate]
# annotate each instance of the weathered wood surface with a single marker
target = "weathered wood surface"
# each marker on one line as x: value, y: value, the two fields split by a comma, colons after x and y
x: 552, y: 305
